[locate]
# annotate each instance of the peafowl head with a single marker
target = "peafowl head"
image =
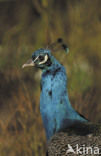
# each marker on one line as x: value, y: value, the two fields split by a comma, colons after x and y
x: 42, y: 58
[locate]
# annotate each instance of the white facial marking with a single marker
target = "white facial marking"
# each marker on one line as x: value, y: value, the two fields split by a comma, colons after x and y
x: 45, y: 59
x: 36, y: 58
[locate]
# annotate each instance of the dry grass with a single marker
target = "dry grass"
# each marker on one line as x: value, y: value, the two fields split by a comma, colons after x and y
x: 26, y: 26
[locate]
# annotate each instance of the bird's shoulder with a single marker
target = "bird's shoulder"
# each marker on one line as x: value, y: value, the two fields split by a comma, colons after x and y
x: 59, y: 143
x: 83, y: 128
x: 91, y: 135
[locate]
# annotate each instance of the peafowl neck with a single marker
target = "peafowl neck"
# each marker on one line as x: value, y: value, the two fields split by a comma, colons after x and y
x: 56, y: 110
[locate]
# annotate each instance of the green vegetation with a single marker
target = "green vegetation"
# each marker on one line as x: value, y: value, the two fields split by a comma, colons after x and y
x: 26, y: 26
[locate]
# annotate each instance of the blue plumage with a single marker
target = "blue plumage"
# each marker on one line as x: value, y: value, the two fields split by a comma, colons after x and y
x: 57, y: 113
x: 56, y: 110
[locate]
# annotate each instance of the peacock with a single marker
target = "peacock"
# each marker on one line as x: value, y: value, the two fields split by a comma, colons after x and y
x: 64, y: 126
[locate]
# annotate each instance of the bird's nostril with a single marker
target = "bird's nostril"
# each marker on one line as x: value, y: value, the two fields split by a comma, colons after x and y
x: 33, y: 57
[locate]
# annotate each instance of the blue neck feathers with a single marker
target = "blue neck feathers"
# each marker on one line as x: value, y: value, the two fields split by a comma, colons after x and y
x: 56, y: 110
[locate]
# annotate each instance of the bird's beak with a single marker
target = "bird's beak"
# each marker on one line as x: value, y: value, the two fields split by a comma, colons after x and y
x: 28, y: 63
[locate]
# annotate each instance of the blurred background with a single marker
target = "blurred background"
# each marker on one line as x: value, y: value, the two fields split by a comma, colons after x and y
x: 25, y: 26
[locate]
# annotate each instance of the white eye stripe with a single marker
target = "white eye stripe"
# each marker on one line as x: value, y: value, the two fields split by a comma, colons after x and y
x: 36, y: 58
x: 45, y: 59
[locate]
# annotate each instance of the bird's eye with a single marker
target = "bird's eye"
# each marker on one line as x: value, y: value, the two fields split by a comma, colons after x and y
x: 41, y: 58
